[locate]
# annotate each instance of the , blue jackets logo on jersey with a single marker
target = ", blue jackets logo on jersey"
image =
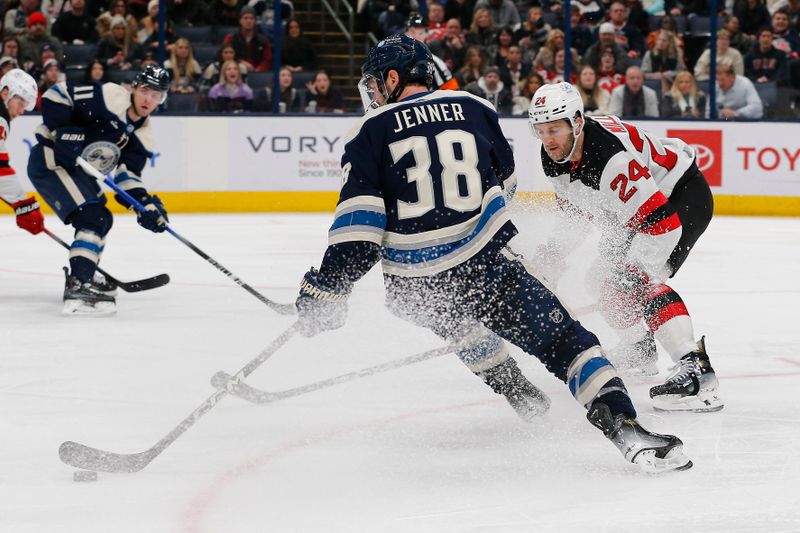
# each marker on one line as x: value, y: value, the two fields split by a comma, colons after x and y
x: 102, y: 155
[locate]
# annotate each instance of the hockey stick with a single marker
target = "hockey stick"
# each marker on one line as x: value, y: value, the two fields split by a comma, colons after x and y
x: 254, y: 395
x: 88, y: 458
x: 258, y: 396
x: 144, y: 284
x: 284, y: 309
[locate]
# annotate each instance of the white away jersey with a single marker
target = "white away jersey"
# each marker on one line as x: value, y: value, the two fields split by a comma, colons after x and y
x: 622, y: 182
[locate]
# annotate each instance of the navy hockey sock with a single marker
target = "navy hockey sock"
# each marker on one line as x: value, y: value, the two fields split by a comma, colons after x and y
x: 82, y: 268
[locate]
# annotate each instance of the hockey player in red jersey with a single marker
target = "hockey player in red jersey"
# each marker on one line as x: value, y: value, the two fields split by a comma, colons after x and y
x: 18, y: 93
x: 651, y: 204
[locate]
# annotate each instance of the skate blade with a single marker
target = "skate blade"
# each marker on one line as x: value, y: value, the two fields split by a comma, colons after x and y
x: 532, y: 412
x: 79, y: 308
x: 674, y: 460
x: 707, y: 401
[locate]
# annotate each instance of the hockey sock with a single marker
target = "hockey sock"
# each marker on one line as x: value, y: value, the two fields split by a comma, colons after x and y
x: 487, y: 352
x: 667, y: 317
x: 591, y: 376
x: 84, y: 254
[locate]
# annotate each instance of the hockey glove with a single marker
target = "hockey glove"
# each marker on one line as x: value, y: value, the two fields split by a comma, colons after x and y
x: 629, y: 279
x: 154, y: 217
x: 68, y: 145
x: 29, y: 217
x: 319, y: 308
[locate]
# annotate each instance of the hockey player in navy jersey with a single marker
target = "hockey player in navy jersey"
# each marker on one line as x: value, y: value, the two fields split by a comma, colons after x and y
x: 651, y: 204
x: 109, y: 126
x: 18, y: 93
x: 423, y: 192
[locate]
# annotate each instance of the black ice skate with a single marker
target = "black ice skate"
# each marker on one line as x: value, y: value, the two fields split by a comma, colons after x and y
x: 103, y: 285
x: 693, y: 386
x: 652, y: 452
x: 637, y: 359
x: 507, y: 379
x: 84, y: 298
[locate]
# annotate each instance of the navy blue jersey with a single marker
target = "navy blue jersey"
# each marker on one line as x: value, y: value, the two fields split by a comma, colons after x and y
x: 101, y: 110
x: 426, y: 179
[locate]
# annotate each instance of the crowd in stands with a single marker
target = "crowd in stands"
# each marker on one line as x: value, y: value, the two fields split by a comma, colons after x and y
x: 635, y: 58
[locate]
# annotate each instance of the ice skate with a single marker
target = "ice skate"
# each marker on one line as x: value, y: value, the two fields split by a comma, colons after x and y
x: 693, y: 386
x: 652, y: 452
x: 637, y: 359
x: 507, y: 379
x: 86, y: 299
x: 103, y: 285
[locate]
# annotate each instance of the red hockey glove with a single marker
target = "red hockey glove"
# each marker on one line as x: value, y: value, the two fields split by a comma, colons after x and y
x: 29, y: 217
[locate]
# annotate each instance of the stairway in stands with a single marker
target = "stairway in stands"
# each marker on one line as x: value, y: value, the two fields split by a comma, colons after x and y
x: 332, y: 46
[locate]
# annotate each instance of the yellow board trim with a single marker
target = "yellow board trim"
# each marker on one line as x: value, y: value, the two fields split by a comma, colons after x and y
x: 325, y: 202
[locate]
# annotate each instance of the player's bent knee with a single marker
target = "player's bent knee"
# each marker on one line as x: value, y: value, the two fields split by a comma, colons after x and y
x: 93, y: 217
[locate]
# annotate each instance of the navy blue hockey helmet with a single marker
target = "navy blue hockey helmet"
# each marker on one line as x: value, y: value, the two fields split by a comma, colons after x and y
x: 411, y: 60
x: 155, y: 77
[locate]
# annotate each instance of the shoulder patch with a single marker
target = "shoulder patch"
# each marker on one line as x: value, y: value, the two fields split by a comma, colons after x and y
x: 117, y: 99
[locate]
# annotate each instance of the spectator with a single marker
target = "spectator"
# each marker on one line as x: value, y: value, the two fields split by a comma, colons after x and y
x: 736, y: 95
x: 606, y: 40
x: 51, y: 74
x: 639, y: 15
x: 591, y: 11
x: 633, y: 99
x: 474, y: 65
x: 11, y: 48
x: 462, y: 10
x: 581, y: 33
x: 752, y: 15
x: 150, y: 43
x: 148, y: 58
x: 452, y: 47
x: 393, y: 18
x: 297, y: 52
x: 118, y: 50
x: 533, y: 32
x: 595, y: 98
x: 186, y: 71
x: 231, y: 94
x: 490, y: 88
x: 36, y: 69
x: 503, y: 12
x: 626, y: 34
x: 184, y: 12
x: 527, y: 89
x: 53, y: 8
x: 784, y: 39
x: 105, y: 20
x: 251, y: 47
x: 683, y: 100
x: 545, y: 59
x: 436, y: 25
x: 16, y: 20
x: 664, y: 60
x: 148, y: 24
x: 75, y: 26
x: 481, y: 32
x: 765, y: 63
x: 737, y: 38
x: 513, y: 70
x: 557, y: 74
x: 498, y: 51
x: 95, y: 72
x: 227, y: 12
x: 321, y: 97
x: 213, y: 70
x: 725, y: 54
x: 667, y: 23
x: 609, y: 78
x: 30, y: 44
x: 7, y: 63
x: 290, y: 97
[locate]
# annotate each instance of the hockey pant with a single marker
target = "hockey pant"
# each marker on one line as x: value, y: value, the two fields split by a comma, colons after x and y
x: 501, y: 296
x: 661, y: 308
x: 78, y: 200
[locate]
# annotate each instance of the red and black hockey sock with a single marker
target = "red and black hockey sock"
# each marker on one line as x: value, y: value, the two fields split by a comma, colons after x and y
x: 667, y: 317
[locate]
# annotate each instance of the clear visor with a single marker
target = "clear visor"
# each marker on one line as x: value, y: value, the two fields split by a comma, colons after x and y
x: 373, y: 92
x: 152, y: 94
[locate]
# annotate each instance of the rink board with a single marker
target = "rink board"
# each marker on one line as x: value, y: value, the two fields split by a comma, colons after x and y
x: 291, y: 163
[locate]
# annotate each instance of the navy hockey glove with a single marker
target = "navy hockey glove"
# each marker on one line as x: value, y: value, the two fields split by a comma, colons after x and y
x: 154, y: 216
x: 68, y: 145
x: 319, y: 307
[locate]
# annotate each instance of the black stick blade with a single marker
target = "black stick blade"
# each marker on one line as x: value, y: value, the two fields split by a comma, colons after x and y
x: 88, y: 458
x: 144, y: 284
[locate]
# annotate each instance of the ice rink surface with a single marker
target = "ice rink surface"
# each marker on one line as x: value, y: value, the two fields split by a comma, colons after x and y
x: 426, y: 448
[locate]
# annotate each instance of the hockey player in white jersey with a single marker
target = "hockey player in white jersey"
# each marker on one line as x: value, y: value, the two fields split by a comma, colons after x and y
x: 651, y: 204
x: 18, y: 93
